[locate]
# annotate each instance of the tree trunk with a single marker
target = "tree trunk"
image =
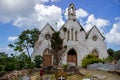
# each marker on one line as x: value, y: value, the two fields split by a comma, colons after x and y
x: 28, y: 53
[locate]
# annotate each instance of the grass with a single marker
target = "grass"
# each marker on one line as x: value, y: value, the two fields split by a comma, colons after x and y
x: 69, y: 77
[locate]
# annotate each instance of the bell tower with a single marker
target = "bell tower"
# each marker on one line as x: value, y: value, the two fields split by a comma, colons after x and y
x: 71, y: 12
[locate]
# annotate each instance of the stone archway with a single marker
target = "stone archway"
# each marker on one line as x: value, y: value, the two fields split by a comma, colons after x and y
x: 72, y: 57
x: 47, y: 57
x: 95, y: 53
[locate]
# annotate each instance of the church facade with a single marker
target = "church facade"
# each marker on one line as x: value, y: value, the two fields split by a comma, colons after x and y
x: 79, y: 42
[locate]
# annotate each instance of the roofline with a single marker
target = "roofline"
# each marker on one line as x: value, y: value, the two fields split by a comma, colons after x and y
x: 77, y: 22
x: 92, y: 29
x: 46, y: 25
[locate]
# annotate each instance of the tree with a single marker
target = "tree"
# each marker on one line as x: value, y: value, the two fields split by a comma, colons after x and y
x: 56, y: 45
x: 116, y: 55
x: 26, y: 40
x: 23, y: 61
x: 9, y: 66
x: 110, y: 52
x: 38, y: 61
x: 3, y: 58
x: 113, y: 55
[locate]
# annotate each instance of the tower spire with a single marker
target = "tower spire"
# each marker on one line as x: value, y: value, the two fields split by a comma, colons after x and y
x: 71, y: 12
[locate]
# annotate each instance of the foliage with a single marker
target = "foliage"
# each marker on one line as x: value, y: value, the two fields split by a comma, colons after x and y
x: 1, y: 67
x: 110, y: 52
x: 56, y: 41
x: 116, y: 55
x: 65, y: 66
x: 24, y: 61
x: 3, y: 54
x: 64, y: 29
x: 90, y: 59
x: 38, y: 60
x: 56, y: 45
x: 109, y: 59
x: 65, y: 47
x: 113, y: 55
x: 9, y: 63
x: 9, y: 66
x: 25, y: 41
x: 3, y: 58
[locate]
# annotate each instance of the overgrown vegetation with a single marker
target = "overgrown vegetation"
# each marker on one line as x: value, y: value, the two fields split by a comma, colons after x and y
x: 57, y: 46
x: 21, y: 61
x: 113, y: 55
x: 64, y: 29
x: 90, y: 59
x: 38, y: 61
x: 65, y: 67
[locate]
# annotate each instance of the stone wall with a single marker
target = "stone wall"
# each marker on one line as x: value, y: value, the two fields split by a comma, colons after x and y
x: 105, y: 66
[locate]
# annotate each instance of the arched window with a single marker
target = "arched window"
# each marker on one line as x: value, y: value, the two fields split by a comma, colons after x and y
x: 46, y: 51
x: 68, y: 35
x: 76, y: 35
x: 95, y: 53
x: 72, y: 33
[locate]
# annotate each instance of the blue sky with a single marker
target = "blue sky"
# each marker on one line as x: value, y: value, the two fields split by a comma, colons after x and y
x: 19, y: 15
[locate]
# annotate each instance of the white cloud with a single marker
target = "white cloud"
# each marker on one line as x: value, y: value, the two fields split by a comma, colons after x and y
x: 45, y: 1
x: 12, y: 38
x: 33, y: 13
x: 43, y: 14
x: 117, y: 18
x: 114, y: 35
x: 80, y: 13
x: 55, y: 0
x: 99, y: 22
x: 29, y: 14
x: 41, y: 1
x: 11, y: 9
x: 6, y: 50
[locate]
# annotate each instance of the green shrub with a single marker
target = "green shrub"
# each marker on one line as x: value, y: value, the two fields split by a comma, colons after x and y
x: 29, y: 65
x: 109, y: 59
x: 90, y: 59
x: 1, y: 68
x: 9, y: 66
x: 65, y: 66
x: 38, y: 61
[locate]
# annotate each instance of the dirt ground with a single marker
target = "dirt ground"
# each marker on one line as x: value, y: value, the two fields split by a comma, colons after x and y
x: 95, y: 74
x: 101, y: 75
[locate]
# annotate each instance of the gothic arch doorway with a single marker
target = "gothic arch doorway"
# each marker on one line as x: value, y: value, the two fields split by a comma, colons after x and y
x: 72, y: 57
x: 47, y: 58
x: 95, y: 53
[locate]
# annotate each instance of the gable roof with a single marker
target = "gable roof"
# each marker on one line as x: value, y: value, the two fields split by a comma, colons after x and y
x: 46, y: 26
x: 91, y: 30
x: 82, y: 29
x: 81, y: 26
